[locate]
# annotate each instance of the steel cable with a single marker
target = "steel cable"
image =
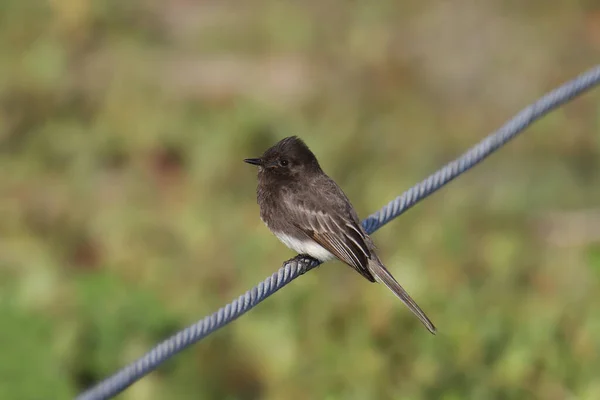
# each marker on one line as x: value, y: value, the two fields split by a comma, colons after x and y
x: 292, y: 269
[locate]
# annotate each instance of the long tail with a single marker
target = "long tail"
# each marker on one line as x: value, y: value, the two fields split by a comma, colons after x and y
x: 382, y: 275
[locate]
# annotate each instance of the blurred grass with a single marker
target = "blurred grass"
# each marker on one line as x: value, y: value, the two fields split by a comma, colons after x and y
x: 127, y: 212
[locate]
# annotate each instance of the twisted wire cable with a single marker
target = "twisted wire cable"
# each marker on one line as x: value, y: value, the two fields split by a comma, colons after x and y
x: 481, y: 150
x: 293, y: 268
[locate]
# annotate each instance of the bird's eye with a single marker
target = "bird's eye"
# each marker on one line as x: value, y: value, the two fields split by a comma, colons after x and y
x: 283, y: 163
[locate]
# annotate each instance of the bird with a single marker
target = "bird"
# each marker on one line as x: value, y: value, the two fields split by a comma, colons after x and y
x: 307, y: 211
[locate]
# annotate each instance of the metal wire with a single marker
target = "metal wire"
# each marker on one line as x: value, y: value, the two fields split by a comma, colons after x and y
x: 292, y: 269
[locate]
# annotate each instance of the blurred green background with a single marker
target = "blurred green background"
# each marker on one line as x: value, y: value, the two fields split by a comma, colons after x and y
x: 127, y: 212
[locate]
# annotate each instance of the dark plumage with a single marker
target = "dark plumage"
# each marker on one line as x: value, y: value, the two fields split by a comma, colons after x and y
x: 309, y: 213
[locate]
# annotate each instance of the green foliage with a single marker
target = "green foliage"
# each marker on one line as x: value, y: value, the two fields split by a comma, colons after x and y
x: 31, y: 366
x: 127, y: 212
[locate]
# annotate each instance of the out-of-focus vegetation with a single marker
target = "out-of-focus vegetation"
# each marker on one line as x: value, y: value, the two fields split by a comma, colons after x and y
x: 127, y: 212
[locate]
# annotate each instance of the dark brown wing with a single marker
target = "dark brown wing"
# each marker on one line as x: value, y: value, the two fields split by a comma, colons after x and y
x: 326, y: 220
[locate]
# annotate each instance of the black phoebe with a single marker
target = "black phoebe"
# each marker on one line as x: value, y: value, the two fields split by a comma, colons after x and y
x: 311, y: 215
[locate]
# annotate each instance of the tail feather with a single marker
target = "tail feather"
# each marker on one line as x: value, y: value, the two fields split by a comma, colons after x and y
x: 382, y: 275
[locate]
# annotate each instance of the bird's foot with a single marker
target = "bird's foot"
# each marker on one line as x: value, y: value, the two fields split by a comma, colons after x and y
x: 303, y: 259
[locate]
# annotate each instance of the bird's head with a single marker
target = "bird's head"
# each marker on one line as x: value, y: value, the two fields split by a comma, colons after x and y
x: 287, y: 157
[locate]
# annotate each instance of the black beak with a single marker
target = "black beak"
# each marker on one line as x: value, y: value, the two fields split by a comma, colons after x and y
x: 253, y: 161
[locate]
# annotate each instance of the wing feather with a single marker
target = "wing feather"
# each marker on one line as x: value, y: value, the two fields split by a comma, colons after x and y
x: 335, y: 232
x: 335, y: 226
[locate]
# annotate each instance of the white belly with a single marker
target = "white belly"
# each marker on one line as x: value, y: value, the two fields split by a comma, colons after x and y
x: 309, y: 247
